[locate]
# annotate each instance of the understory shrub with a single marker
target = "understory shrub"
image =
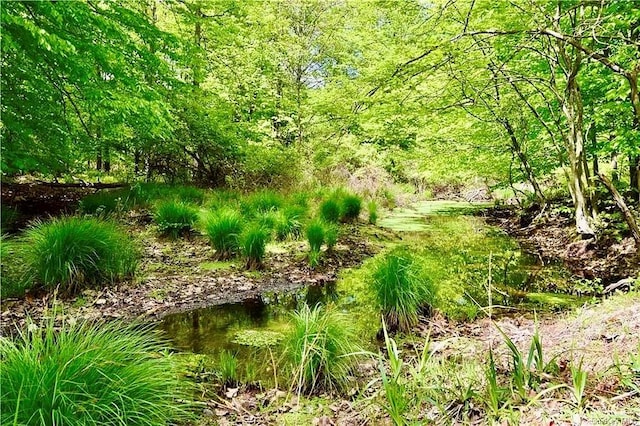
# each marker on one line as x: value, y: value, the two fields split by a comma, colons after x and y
x: 253, y: 242
x: 175, y: 218
x: 86, y: 374
x: 223, y: 229
x: 350, y: 207
x: 74, y: 251
x: 401, y: 289
x: 320, y: 350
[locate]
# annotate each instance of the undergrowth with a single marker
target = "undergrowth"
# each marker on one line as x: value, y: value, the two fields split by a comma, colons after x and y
x: 88, y: 374
x: 175, y: 218
x: 223, y: 229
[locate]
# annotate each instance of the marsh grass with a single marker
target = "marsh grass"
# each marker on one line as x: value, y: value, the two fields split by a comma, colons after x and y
x: 320, y: 350
x: 88, y: 374
x: 106, y: 202
x: 223, y: 229
x: 175, y: 218
x: 350, y: 207
x: 228, y: 368
x: 12, y: 268
x: 290, y: 222
x: 253, y: 242
x: 331, y: 232
x: 73, y: 252
x: 401, y: 289
x: 261, y: 202
x: 372, y: 208
x: 330, y: 210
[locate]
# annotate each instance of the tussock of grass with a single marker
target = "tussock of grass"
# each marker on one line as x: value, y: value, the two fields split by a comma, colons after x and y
x: 253, y: 242
x: 320, y: 350
x: 12, y: 268
x: 401, y: 289
x: 373, y: 212
x: 315, y: 235
x: 73, y: 251
x: 351, y: 205
x: 330, y: 210
x: 223, y: 229
x: 88, y: 375
x: 261, y: 202
x: 175, y: 218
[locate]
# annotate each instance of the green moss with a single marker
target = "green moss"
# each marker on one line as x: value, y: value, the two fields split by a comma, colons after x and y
x: 216, y: 266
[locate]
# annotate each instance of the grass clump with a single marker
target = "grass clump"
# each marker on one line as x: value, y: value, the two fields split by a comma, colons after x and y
x: 315, y: 235
x: 372, y: 208
x: 223, y: 230
x: 351, y: 205
x: 12, y: 268
x: 74, y: 251
x: 253, y: 242
x: 331, y: 232
x: 261, y: 202
x: 320, y: 350
x: 401, y: 290
x: 175, y: 218
x: 330, y: 210
x: 289, y: 224
x: 228, y: 368
x: 107, y: 202
x: 187, y: 194
x: 87, y: 374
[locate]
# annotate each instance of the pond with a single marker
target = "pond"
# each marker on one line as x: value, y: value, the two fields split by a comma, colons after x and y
x: 458, y: 250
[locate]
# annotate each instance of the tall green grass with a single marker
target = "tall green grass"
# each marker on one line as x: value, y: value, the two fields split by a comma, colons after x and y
x: 320, y: 350
x: 107, y: 202
x: 253, y: 242
x: 74, y: 251
x: 12, y: 268
x: 315, y: 236
x: 223, y: 229
x: 330, y: 210
x: 372, y: 208
x: 261, y: 202
x: 175, y: 218
x: 88, y: 374
x: 401, y: 289
x: 351, y: 205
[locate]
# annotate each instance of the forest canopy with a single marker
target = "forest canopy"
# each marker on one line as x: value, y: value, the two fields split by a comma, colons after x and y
x: 524, y: 94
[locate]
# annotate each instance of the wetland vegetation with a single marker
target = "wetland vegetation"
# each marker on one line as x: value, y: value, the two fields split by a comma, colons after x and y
x: 320, y: 212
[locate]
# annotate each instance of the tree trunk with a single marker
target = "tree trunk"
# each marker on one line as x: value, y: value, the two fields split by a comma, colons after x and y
x: 107, y: 159
x: 578, y: 179
x: 634, y: 177
x: 524, y: 160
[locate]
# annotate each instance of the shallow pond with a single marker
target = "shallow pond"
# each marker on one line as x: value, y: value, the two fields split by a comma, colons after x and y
x: 457, y: 249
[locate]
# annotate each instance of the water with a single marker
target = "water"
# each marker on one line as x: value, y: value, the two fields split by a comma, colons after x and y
x: 210, y: 330
x: 456, y: 250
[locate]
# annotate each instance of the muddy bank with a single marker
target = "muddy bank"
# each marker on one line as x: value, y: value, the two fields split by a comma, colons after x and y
x: 550, y: 235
